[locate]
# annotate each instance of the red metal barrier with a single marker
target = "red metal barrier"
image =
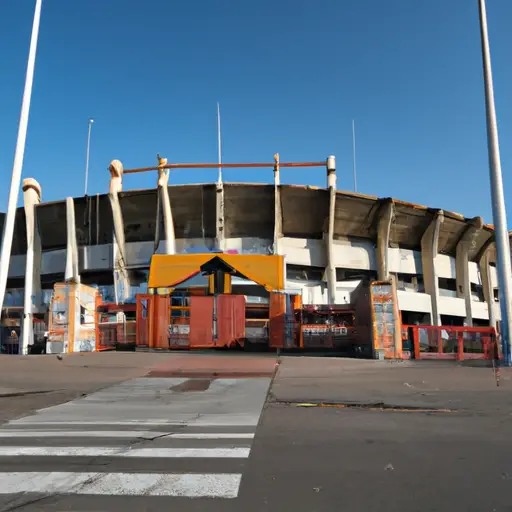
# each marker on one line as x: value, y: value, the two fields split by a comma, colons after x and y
x: 452, y: 343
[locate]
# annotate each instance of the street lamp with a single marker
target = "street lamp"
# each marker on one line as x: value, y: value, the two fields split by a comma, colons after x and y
x: 91, y: 121
x: 19, y: 153
x: 498, y: 199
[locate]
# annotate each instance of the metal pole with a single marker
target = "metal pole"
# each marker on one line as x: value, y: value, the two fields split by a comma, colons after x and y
x: 223, y: 165
x: 354, y: 153
x: 14, y: 191
x: 498, y: 199
x: 87, y: 154
x: 219, y: 143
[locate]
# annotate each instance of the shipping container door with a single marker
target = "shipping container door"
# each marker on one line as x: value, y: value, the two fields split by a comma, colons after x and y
x: 201, y: 322
x: 230, y: 319
x: 142, y: 319
x: 277, y: 313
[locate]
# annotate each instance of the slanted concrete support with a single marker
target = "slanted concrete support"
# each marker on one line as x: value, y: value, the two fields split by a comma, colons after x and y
x: 163, y: 190
x: 121, y: 278
x: 429, y: 247
x: 71, y: 273
x: 219, y: 216
x: 278, y: 211
x: 331, y: 268
x: 32, y: 298
x: 484, y: 261
x: 466, y: 242
x: 386, y: 214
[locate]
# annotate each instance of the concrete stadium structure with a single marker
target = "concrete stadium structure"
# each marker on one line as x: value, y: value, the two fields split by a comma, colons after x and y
x: 444, y: 264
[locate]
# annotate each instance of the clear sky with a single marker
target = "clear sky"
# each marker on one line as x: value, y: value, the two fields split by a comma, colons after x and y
x: 290, y: 75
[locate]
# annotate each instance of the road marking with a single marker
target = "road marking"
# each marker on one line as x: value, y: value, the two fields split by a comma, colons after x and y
x: 33, y: 421
x: 82, y: 433
x: 213, y: 436
x: 206, y: 453
x: 195, y: 485
x: 227, y: 422
x: 115, y: 451
x: 119, y: 434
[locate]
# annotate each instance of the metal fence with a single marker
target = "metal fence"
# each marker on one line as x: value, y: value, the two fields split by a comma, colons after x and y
x: 455, y: 343
x: 178, y: 335
x: 9, y: 340
x: 116, y: 336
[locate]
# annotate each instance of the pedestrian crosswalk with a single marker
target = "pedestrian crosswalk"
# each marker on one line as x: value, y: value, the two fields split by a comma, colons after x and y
x: 194, y: 446
x: 63, y: 448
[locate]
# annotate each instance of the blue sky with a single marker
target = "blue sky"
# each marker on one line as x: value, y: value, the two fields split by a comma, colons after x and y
x: 290, y: 76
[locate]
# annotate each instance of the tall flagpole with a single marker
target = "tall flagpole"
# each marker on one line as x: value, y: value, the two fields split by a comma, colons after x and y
x: 19, y: 154
x: 219, y: 143
x: 91, y: 121
x: 498, y: 198
x: 354, y: 153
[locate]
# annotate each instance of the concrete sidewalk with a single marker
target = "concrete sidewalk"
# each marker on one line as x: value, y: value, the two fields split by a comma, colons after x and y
x: 28, y: 383
x: 402, y: 384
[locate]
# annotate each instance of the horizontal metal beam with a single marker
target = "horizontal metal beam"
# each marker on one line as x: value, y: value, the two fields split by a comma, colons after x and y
x: 224, y: 166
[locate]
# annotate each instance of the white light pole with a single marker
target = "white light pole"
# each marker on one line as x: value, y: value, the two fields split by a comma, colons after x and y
x: 91, y: 121
x: 19, y: 153
x: 219, y: 143
x: 354, y: 154
x: 498, y: 198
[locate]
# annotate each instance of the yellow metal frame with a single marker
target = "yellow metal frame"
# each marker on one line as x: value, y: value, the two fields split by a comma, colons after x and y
x: 167, y: 271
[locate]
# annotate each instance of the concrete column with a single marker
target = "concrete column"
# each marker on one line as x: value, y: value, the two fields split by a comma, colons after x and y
x: 386, y: 215
x: 331, y: 268
x: 467, y: 241
x: 429, y: 247
x: 121, y: 279
x: 32, y: 293
x: 71, y: 273
x: 485, y: 273
x: 163, y: 190
x: 278, y: 211
x: 219, y: 216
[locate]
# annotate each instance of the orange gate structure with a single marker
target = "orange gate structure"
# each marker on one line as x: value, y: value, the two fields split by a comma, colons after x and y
x: 206, y: 321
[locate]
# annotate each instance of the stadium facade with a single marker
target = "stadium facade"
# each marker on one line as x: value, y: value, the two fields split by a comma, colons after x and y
x: 443, y: 264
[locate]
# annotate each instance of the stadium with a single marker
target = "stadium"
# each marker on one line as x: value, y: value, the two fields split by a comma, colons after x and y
x: 439, y: 265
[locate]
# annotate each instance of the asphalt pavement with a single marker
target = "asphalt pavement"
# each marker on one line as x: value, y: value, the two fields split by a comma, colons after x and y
x: 320, y: 435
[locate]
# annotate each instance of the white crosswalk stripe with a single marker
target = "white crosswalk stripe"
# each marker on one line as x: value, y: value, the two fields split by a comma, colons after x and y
x: 134, y: 434
x: 194, y: 446
x: 107, y: 451
x: 191, y: 485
